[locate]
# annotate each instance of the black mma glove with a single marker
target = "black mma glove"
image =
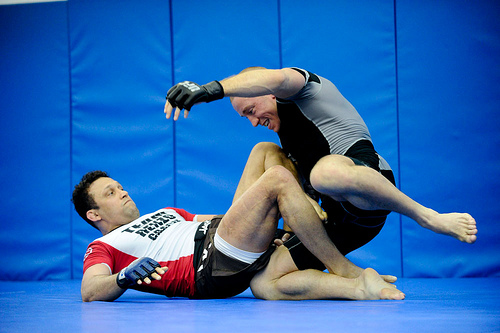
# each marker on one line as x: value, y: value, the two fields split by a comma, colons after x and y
x: 185, y: 94
x: 139, y: 269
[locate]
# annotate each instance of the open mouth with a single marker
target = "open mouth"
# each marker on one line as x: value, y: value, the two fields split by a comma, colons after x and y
x: 266, y: 123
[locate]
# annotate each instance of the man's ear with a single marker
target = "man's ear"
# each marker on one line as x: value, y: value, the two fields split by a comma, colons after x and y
x: 93, y: 215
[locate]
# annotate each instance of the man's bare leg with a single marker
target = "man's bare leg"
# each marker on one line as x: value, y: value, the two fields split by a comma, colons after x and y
x: 338, y: 177
x: 262, y: 157
x: 266, y: 155
x: 255, y: 214
x: 281, y: 280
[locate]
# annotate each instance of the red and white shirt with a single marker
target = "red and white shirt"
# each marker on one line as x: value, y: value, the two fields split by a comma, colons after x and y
x: 166, y: 236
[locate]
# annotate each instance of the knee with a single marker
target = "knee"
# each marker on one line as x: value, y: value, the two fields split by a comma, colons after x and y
x: 261, y: 287
x: 265, y: 284
x: 331, y: 175
x: 268, y: 150
x: 266, y: 147
x: 278, y: 176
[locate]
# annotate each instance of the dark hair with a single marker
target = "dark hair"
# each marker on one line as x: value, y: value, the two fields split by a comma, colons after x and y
x: 82, y: 200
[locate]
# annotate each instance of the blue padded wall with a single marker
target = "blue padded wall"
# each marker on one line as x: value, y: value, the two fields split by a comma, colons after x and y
x: 449, y: 89
x: 35, y: 142
x: 84, y: 85
x: 352, y: 45
x: 213, y: 143
x: 120, y: 60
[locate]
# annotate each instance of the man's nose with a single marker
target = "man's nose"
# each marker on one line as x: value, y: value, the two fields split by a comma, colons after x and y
x: 254, y: 121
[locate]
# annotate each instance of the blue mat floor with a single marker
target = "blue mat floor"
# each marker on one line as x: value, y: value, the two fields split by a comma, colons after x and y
x: 432, y: 305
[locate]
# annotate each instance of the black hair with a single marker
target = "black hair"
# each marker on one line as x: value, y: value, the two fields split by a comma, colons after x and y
x: 82, y: 200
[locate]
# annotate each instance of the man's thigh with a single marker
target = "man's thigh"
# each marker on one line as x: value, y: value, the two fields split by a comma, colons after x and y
x: 220, y: 276
x: 251, y: 221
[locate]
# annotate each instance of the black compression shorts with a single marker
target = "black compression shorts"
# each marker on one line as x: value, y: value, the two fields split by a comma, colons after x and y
x: 219, y: 276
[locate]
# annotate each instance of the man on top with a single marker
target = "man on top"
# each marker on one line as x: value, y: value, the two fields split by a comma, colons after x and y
x: 330, y: 146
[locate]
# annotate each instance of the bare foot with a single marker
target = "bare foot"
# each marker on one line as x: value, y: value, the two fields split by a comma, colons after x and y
x: 462, y: 226
x: 356, y: 271
x: 389, y: 278
x: 372, y: 287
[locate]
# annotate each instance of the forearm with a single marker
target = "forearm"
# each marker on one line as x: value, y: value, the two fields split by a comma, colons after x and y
x: 101, y: 288
x: 281, y: 83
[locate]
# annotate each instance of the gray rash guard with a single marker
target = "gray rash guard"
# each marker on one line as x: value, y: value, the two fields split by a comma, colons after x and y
x: 318, y: 121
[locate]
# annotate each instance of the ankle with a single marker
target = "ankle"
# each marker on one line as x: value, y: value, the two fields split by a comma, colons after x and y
x: 348, y: 270
x: 426, y: 216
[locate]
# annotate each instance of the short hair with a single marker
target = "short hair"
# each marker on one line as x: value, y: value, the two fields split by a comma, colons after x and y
x: 82, y: 199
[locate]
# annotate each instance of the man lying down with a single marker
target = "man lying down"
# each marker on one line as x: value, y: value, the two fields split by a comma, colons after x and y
x: 179, y: 254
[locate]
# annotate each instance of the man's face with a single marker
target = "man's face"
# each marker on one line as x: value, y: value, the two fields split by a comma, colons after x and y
x: 260, y: 110
x: 115, y: 205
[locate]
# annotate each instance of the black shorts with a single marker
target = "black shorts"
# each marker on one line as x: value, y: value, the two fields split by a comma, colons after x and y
x: 217, y: 275
x: 348, y: 227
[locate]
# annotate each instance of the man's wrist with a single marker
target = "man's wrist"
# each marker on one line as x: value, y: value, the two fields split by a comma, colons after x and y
x: 214, y: 91
x: 122, y: 281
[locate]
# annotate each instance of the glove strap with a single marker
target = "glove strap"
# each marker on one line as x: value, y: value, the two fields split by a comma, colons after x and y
x: 122, y: 281
x: 214, y: 90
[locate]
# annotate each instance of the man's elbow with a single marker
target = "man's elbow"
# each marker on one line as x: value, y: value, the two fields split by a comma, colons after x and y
x: 88, y: 297
x: 95, y: 298
x: 288, y: 82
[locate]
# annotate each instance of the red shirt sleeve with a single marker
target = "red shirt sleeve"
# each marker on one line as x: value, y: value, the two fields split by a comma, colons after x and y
x: 97, y: 253
x: 186, y: 215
